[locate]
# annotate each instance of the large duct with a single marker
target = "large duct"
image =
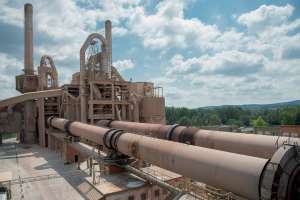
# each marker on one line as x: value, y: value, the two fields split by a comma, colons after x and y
x: 249, y: 144
x: 250, y: 177
x: 28, y: 40
x: 108, y: 46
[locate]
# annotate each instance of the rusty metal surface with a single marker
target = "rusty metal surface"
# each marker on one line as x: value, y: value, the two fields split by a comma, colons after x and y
x: 210, y: 166
x: 153, y: 130
x: 262, y: 146
x: 83, y: 75
x: 249, y: 144
x: 206, y: 165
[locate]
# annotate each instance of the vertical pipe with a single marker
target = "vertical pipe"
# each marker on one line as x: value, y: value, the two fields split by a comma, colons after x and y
x: 82, y: 89
x: 108, y: 46
x: 28, y: 40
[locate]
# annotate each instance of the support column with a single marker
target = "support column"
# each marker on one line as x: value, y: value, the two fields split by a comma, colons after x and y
x: 41, y: 122
x: 124, y: 112
x: 65, y: 151
x: 29, y: 122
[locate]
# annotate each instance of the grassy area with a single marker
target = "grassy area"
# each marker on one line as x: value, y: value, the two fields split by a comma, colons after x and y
x: 8, y: 135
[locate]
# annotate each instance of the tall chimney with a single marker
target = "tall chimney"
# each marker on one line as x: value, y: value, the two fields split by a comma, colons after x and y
x: 28, y: 40
x: 108, y: 45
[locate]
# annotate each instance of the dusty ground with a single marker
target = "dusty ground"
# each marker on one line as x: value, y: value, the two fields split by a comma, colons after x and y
x: 43, y: 174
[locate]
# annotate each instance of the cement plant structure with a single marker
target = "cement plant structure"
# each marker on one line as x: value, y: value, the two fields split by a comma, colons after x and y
x: 114, y: 143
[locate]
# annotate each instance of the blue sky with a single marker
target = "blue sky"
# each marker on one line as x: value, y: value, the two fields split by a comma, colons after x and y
x: 202, y: 52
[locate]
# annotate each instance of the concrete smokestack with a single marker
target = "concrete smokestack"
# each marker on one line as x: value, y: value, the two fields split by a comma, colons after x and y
x: 28, y: 40
x: 108, y: 45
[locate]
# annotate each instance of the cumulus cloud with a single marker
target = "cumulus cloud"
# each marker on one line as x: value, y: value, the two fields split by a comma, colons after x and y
x: 60, y: 27
x: 230, y: 63
x: 123, y: 65
x: 271, y: 23
x: 168, y: 27
x: 9, y: 67
x: 260, y: 64
x: 256, y: 62
x: 10, y: 15
x: 9, y: 63
x: 119, y: 31
x: 266, y: 16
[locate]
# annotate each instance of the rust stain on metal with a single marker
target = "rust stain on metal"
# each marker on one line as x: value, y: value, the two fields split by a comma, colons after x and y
x: 134, y: 148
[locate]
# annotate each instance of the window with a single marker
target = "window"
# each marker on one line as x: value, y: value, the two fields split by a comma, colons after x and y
x: 156, y: 193
x: 143, y: 196
x: 131, y: 197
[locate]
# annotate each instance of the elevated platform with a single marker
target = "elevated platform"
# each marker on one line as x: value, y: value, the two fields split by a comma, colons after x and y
x: 30, y: 96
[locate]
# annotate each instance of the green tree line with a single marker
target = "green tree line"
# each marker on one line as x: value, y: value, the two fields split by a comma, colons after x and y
x: 233, y: 115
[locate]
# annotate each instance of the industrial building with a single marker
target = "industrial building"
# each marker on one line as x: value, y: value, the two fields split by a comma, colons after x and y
x: 102, y: 137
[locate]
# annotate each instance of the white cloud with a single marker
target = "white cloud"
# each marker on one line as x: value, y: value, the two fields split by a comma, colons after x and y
x: 266, y: 16
x: 119, y: 31
x: 168, y: 27
x: 9, y: 63
x: 259, y: 64
x: 123, y: 65
x: 66, y: 24
x: 10, y: 15
x: 9, y: 67
x: 229, y: 63
x: 70, y: 21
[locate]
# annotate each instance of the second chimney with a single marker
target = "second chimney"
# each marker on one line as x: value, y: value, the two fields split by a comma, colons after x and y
x: 108, y: 45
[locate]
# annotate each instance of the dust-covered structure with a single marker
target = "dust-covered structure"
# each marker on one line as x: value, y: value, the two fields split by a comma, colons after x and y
x: 97, y: 91
x: 115, y: 131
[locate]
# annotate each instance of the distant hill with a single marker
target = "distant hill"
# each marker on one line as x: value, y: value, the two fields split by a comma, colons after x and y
x: 260, y: 106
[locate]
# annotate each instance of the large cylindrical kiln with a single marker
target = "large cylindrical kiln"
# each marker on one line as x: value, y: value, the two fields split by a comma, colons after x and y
x: 250, y: 177
x: 263, y: 146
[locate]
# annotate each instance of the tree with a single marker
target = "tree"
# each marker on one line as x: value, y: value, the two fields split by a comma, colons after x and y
x: 235, y: 122
x: 184, y: 121
x: 288, y: 117
x: 233, y: 115
x: 297, y: 120
x: 273, y: 117
x: 214, y: 120
x: 259, y: 122
x: 196, y: 121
